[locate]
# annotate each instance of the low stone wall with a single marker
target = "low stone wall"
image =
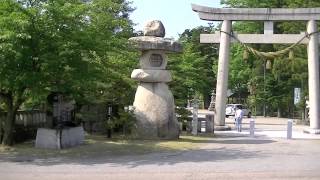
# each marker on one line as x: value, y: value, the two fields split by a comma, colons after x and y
x: 59, y: 138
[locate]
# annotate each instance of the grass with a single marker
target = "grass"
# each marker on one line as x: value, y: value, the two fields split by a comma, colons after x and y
x: 98, y: 145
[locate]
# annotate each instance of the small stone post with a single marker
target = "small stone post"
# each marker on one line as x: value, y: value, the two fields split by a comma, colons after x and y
x: 252, y: 124
x: 154, y: 103
x: 289, y: 129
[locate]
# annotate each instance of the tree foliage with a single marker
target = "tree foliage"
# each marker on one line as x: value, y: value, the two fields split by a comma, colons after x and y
x: 72, y: 47
x: 192, y: 70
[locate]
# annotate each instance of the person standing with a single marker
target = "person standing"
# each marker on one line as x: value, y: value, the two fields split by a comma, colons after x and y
x: 239, y: 115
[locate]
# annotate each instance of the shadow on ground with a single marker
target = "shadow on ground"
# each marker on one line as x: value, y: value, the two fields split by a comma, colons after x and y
x: 135, y: 153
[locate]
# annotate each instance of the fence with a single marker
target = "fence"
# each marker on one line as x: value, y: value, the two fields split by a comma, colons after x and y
x: 33, y: 118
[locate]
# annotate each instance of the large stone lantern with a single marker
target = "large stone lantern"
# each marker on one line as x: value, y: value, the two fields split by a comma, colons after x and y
x: 154, y: 103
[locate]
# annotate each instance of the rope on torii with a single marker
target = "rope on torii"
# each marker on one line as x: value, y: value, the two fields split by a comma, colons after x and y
x: 269, y: 55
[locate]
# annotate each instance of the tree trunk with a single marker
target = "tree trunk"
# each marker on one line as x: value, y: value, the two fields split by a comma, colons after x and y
x: 12, y: 104
x: 124, y: 130
x: 109, y: 133
x: 1, y: 128
x: 279, y: 112
x: 9, y: 126
x: 207, y: 100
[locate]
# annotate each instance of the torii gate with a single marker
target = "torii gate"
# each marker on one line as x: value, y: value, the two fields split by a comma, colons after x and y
x: 268, y: 15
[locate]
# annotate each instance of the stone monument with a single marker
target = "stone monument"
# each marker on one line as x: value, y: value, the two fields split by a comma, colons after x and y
x: 65, y: 133
x: 154, y: 103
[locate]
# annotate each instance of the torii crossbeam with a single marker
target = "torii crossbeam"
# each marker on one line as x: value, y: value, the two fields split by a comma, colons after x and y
x: 268, y: 15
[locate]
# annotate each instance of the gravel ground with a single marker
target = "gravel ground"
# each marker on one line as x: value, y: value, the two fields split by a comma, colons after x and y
x: 228, y: 155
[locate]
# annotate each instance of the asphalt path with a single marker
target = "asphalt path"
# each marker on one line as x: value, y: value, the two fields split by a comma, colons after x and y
x: 228, y: 155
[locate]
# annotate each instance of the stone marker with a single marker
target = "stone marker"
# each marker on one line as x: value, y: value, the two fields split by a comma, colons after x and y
x: 195, y: 105
x: 154, y: 103
x: 65, y: 133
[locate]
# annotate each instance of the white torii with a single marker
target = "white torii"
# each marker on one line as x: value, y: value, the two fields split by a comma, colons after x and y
x: 268, y: 15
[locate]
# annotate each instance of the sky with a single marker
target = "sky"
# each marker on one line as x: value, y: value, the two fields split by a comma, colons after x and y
x: 176, y: 15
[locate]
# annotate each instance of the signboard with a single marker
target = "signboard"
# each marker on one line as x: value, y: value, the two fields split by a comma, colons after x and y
x: 297, y: 95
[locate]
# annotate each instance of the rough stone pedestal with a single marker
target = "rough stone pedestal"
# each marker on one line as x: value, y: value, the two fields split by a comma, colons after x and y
x: 59, y: 138
x: 154, y: 109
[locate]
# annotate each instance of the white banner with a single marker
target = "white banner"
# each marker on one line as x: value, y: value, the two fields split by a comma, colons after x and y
x: 297, y: 95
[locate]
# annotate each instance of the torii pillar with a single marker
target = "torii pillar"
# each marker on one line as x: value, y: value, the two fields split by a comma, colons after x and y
x: 268, y: 15
x: 222, y: 77
x: 313, y: 69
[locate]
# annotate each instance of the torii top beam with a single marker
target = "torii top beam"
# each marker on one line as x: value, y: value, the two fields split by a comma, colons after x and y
x: 256, y: 14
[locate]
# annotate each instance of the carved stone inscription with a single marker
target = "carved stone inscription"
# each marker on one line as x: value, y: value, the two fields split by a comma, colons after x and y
x: 155, y: 60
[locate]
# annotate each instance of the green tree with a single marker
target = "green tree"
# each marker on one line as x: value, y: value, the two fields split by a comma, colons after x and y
x: 239, y: 73
x: 192, y: 70
x: 60, y: 46
x: 187, y: 73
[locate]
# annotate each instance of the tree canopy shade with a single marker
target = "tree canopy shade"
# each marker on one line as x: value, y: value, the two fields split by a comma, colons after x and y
x: 71, y: 46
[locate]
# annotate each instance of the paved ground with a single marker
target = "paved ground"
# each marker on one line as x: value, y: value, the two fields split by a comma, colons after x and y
x: 229, y: 155
x: 272, y: 128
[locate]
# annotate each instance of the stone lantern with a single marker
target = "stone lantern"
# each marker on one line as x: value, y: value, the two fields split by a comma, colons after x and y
x: 154, y: 103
